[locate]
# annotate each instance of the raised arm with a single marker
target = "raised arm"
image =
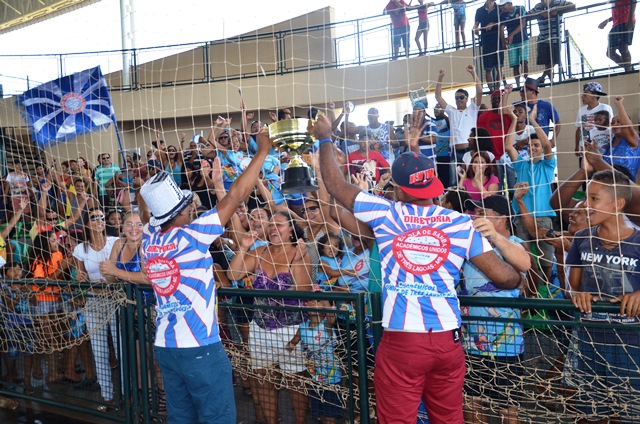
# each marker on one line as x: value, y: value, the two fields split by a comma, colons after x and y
x: 474, y: 76
x: 245, y: 261
x: 528, y: 219
x: 510, y: 137
x: 349, y: 222
x: 562, y: 197
x: 544, y: 140
x: 439, y: 97
x: 418, y: 124
x: 301, y: 268
x: 243, y: 186
x: 16, y: 217
x: 627, y: 127
x: 337, y: 187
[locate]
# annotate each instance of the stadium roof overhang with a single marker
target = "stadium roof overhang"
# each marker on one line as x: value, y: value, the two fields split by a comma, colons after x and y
x: 15, y: 14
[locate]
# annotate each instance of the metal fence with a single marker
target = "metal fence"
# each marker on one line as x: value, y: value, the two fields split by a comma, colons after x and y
x: 564, y: 369
x: 354, y: 42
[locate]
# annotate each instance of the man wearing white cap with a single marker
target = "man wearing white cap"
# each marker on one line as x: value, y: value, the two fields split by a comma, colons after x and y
x: 195, y: 368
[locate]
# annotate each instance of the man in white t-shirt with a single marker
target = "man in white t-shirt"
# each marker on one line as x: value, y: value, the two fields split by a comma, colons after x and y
x: 463, y: 116
x: 585, y: 121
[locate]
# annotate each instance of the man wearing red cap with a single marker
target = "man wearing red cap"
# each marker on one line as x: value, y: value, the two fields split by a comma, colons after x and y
x: 422, y: 248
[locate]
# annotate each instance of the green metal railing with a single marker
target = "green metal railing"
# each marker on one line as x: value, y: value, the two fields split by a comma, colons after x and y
x: 139, y: 396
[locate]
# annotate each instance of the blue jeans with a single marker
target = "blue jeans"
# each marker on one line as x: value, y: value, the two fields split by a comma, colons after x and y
x: 198, y: 384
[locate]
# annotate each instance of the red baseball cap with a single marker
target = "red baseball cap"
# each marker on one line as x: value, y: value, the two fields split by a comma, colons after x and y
x: 415, y: 174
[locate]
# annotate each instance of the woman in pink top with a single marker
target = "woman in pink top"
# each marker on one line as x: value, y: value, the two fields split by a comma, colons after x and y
x: 481, y: 177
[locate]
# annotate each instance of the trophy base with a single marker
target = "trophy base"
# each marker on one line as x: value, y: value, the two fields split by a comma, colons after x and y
x: 298, y: 180
x: 298, y: 187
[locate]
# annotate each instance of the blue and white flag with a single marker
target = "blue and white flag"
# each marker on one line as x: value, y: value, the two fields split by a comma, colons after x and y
x: 60, y: 110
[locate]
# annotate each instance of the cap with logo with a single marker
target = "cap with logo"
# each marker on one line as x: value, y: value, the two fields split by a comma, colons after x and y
x: 594, y: 88
x: 415, y: 174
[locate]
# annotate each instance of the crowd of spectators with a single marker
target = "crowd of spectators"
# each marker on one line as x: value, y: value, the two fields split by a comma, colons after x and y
x: 68, y: 221
x: 504, y: 27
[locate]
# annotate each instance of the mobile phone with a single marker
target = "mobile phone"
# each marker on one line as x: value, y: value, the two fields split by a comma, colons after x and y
x: 551, y: 234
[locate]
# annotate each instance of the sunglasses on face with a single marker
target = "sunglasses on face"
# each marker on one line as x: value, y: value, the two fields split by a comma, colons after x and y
x: 97, y: 218
x: 461, y: 97
x: 106, y: 157
x: 172, y: 151
x: 134, y: 224
x: 309, y: 209
x: 52, y: 218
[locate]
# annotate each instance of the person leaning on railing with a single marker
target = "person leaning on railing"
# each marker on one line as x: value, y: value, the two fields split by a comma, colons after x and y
x: 604, y: 269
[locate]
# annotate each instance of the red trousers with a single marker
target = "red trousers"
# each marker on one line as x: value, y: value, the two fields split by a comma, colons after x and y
x: 413, y: 366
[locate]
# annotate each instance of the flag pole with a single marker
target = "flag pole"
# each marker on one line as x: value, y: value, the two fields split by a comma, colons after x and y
x: 120, y: 146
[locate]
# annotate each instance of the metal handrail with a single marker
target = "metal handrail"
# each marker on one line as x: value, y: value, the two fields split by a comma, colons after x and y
x: 358, y: 58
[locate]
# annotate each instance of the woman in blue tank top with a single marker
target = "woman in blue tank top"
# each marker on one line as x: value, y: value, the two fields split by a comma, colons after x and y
x: 173, y: 163
x: 124, y: 265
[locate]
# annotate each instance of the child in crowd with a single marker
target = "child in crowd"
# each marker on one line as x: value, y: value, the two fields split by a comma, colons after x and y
x: 319, y: 343
x: 18, y: 302
x: 332, y: 253
x: 604, y: 268
x: 601, y: 133
x: 343, y: 269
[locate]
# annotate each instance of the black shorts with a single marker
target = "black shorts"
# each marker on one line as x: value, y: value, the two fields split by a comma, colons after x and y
x: 497, y: 378
x: 493, y: 60
x: 325, y: 403
x: 548, y: 53
x: 492, y: 56
x: 620, y: 36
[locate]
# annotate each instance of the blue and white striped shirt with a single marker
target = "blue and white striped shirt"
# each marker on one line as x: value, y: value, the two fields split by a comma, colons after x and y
x: 422, y: 249
x: 180, y: 270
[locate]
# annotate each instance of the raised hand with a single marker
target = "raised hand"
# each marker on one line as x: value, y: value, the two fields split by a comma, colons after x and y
x: 264, y: 143
x: 471, y: 69
x: 485, y: 227
x: 322, y: 128
x: 216, y: 171
x: 273, y: 116
x: 46, y: 186
x: 441, y: 74
x: 521, y: 189
x: 360, y: 181
x: 508, y: 89
x: 417, y: 125
x: 248, y: 239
